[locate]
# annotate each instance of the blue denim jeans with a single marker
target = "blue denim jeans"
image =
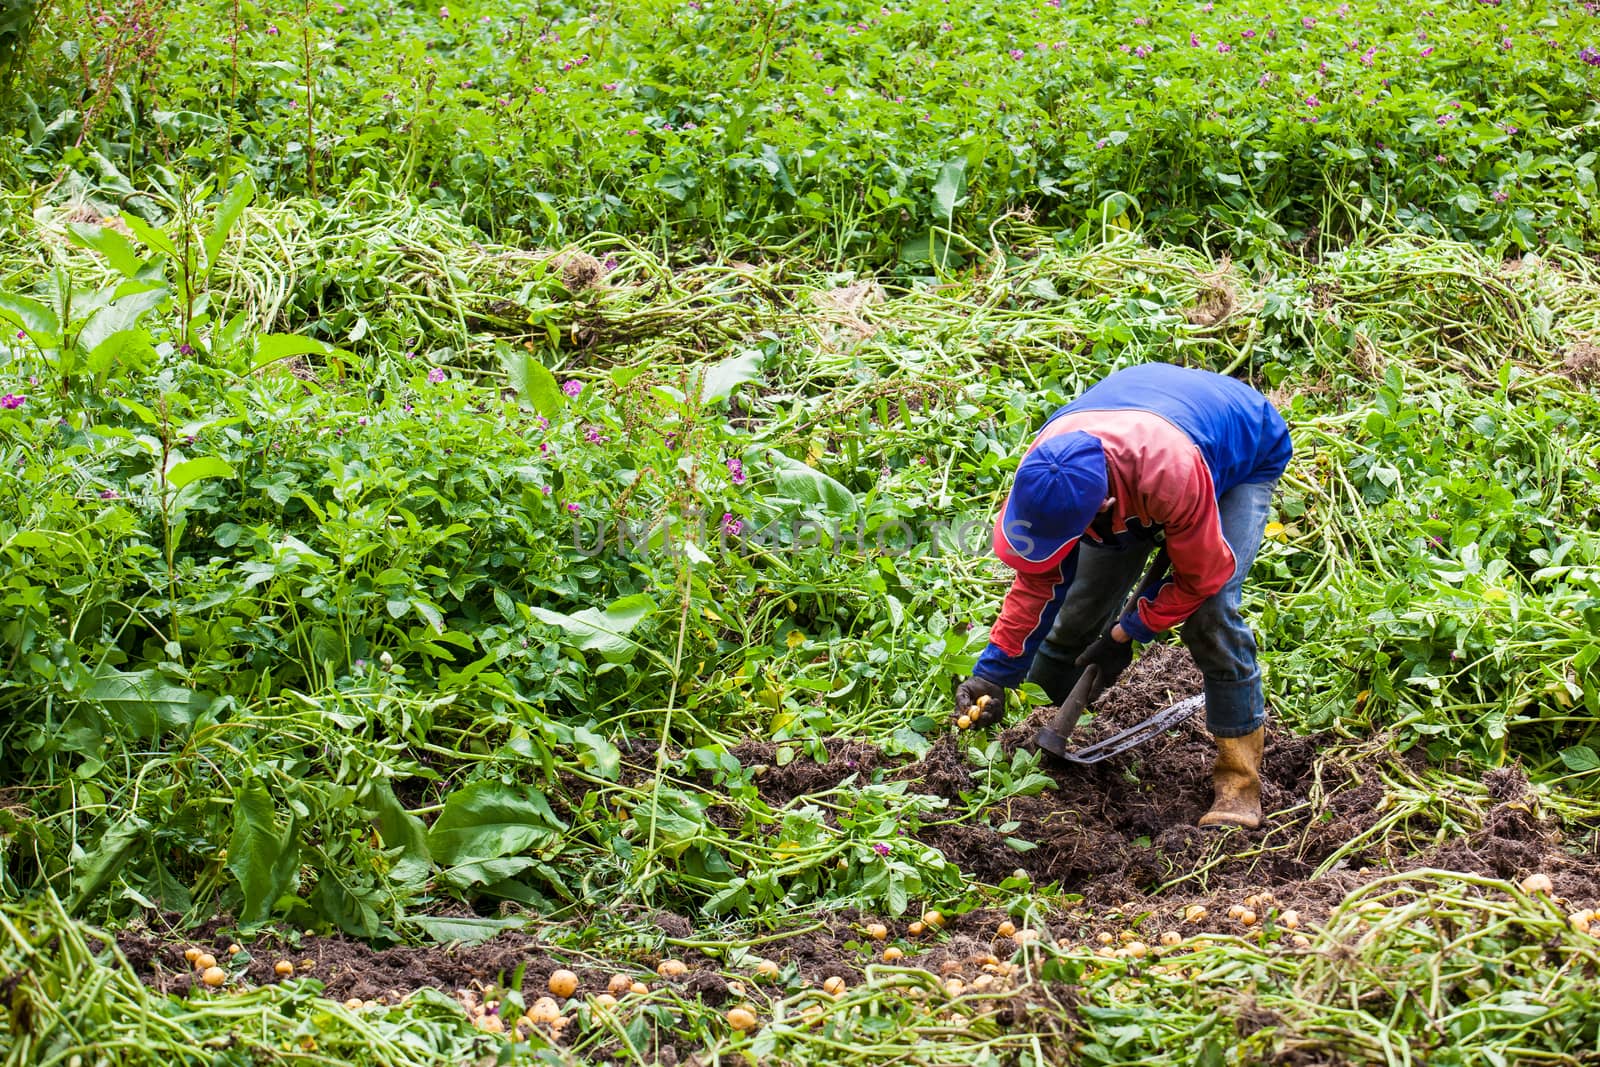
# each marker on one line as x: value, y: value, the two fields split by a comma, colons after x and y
x: 1216, y: 634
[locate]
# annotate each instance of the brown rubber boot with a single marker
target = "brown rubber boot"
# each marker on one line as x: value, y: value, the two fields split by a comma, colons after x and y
x: 1236, y: 779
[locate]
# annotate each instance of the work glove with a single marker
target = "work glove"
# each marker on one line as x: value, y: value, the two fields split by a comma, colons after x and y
x: 1111, y: 657
x: 981, y: 700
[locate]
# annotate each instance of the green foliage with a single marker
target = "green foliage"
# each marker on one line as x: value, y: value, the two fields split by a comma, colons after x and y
x: 365, y: 563
x: 887, y: 134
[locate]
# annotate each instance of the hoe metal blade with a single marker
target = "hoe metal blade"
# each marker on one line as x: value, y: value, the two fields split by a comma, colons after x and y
x: 1134, y: 735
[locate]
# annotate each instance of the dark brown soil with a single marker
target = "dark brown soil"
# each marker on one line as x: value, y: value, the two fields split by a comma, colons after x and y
x: 349, y: 968
x: 1120, y: 834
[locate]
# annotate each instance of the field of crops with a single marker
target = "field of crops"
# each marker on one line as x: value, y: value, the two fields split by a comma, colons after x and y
x: 496, y: 500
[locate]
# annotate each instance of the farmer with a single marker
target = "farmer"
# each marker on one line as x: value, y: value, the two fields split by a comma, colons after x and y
x: 1154, y: 453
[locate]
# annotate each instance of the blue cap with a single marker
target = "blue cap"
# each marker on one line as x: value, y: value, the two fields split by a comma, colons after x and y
x: 1060, y: 485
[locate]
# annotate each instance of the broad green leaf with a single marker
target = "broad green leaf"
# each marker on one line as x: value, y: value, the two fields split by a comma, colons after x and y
x: 808, y: 485
x: 722, y: 378
x: 488, y: 821
x: 531, y: 379
x: 404, y: 836
x: 117, y: 249
x: 473, y: 930
x: 94, y: 871
x: 144, y: 702
x: 948, y: 189
x: 485, y: 872
x: 39, y: 321
x: 1580, y: 759
x: 596, y: 753
x: 132, y: 347
x: 150, y: 235
x: 592, y: 630
x: 198, y: 469
x: 119, y: 315
x: 271, y: 347
x: 262, y: 855
x: 673, y: 819
x: 228, y: 212
x: 348, y: 907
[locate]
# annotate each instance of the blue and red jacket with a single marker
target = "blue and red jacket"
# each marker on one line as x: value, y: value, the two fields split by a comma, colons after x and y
x: 1175, y: 440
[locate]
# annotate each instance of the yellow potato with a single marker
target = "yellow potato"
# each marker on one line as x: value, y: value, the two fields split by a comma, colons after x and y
x: 563, y: 983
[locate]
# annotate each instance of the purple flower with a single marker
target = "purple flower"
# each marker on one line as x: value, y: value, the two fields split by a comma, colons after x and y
x: 1016, y: 53
x: 547, y: 490
x: 186, y: 349
x: 881, y: 848
x: 1194, y: 40
x: 21, y: 336
x: 1426, y: 52
x: 1224, y: 46
x: 736, y: 470
x: 572, y: 387
x: 11, y: 401
x: 1589, y: 55
x: 272, y: 31
x: 436, y: 375
x: 574, y: 508
x: 1499, y: 196
x: 1444, y: 120
x: 1312, y: 101
x: 592, y: 435
x: 1247, y: 34
x: 1308, y: 22
x: 731, y: 526
x: 109, y: 494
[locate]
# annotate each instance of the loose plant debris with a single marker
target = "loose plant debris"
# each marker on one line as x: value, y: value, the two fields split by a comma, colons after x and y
x: 500, y: 500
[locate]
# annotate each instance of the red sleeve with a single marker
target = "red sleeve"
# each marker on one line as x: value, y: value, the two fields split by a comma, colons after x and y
x: 1024, y: 609
x: 1202, y: 562
x: 1025, y: 619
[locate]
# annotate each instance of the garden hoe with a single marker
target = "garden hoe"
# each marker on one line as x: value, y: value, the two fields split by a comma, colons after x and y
x: 1053, y: 738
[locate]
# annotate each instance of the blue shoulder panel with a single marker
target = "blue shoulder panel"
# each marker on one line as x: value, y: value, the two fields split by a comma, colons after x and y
x: 1239, y: 432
